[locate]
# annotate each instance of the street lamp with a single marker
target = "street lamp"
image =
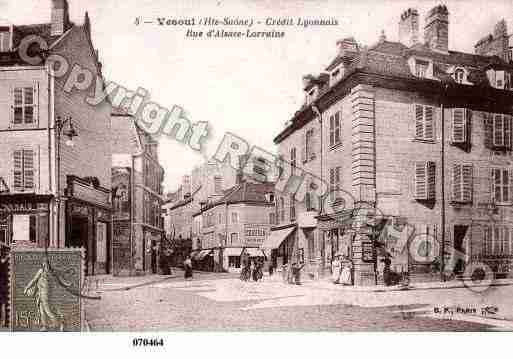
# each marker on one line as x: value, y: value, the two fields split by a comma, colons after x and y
x: 69, y: 133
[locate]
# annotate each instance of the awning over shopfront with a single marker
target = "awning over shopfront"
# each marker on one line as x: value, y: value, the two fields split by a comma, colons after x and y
x: 254, y: 252
x: 194, y: 254
x: 276, y: 238
x: 232, y: 252
x: 203, y: 254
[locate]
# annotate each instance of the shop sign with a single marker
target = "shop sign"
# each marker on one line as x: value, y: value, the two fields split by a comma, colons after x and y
x: 23, y: 207
x: 88, y: 193
x: 255, y: 234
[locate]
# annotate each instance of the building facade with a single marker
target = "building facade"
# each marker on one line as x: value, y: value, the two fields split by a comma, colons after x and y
x: 52, y: 193
x: 237, y: 223
x: 137, y: 198
x: 417, y: 135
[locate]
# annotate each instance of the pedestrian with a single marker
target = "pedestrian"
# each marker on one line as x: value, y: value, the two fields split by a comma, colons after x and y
x: 346, y: 273
x: 271, y: 269
x: 335, y: 269
x: 257, y: 270
x: 4, y: 285
x: 187, y: 264
x: 387, y: 273
x: 296, y: 271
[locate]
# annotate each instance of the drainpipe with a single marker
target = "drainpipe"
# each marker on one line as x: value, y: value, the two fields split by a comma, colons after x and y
x: 442, y: 160
x: 321, y: 201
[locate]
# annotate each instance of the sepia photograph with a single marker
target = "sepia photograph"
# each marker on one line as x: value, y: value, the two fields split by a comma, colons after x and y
x: 223, y: 167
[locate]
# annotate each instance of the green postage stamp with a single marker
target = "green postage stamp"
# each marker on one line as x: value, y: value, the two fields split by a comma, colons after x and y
x: 45, y: 289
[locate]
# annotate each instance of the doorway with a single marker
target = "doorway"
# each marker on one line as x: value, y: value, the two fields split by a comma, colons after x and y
x: 460, y: 232
x: 78, y: 236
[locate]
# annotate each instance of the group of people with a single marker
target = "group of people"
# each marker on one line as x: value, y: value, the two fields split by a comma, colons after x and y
x: 341, y: 270
x: 252, y: 269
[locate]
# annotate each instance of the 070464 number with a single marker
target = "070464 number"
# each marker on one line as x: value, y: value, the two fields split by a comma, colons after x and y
x: 145, y: 342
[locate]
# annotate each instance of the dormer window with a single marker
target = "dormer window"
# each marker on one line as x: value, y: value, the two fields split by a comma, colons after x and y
x: 5, y: 38
x: 421, y: 68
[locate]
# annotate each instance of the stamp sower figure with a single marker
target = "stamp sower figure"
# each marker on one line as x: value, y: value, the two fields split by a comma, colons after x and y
x: 4, y: 285
x: 187, y: 264
x: 39, y: 288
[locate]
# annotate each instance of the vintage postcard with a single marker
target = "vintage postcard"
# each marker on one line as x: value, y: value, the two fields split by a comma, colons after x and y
x: 256, y: 166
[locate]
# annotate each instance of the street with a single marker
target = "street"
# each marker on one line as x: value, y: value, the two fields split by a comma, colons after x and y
x: 221, y: 302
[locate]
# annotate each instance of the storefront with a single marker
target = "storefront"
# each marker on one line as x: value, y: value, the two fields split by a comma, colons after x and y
x: 89, y: 223
x: 279, y: 245
x: 24, y: 219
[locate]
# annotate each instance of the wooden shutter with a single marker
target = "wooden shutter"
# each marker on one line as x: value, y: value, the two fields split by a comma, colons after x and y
x: 17, y: 183
x: 428, y: 123
x: 337, y: 177
x: 332, y: 178
x: 312, y: 145
x: 420, y: 180
x: 456, y: 182
x: 419, y: 121
x: 431, y: 180
x: 28, y: 170
x: 488, y: 129
x: 337, y: 127
x: 303, y: 147
x: 459, y: 125
x: 332, y: 130
x: 507, y: 131
x: 492, y: 185
x: 510, y: 185
x: 17, y: 105
x: 467, y: 183
x: 498, y: 130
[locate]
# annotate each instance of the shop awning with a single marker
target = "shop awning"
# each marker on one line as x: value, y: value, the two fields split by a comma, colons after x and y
x: 254, y: 252
x: 203, y: 254
x: 276, y: 237
x: 195, y: 254
x: 232, y: 252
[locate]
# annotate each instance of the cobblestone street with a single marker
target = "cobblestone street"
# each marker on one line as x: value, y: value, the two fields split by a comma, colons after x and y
x: 220, y: 302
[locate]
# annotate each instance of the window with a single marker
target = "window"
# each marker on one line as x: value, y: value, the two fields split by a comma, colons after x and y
x: 272, y: 218
x: 26, y: 228
x: 501, y: 134
x: 293, y: 163
x: 309, y: 148
x: 23, y: 170
x: 421, y: 68
x: 459, y: 75
x: 462, y: 179
x: 234, y: 238
x: 218, y: 184
x: 497, y: 240
x: 425, y: 174
x: 501, y: 180
x: 281, y: 211
x: 292, y: 208
x: 235, y: 218
x: 334, y: 179
x: 424, y: 123
x: 5, y: 39
x: 460, y: 121
x: 335, y: 129
x: 220, y: 218
x: 24, y: 105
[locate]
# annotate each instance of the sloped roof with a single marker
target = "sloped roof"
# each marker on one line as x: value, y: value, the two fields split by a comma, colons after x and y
x: 249, y: 192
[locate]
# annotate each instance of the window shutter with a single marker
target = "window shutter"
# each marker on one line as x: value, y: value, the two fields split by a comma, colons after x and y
x: 510, y: 185
x: 420, y: 180
x: 429, y: 123
x: 488, y: 130
x: 337, y: 127
x: 337, y: 176
x: 303, y: 148
x: 507, y: 131
x: 332, y: 178
x: 17, y: 183
x: 312, y: 145
x: 17, y: 105
x: 419, y: 121
x: 332, y: 130
x: 459, y: 126
x: 28, y: 169
x: 36, y: 102
x: 456, y: 182
x: 467, y: 183
x: 431, y: 180
x: 492, y: 185
x: 498, y: 127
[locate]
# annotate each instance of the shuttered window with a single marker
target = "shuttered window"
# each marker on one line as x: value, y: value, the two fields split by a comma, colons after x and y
x: 501, y: 131
x: 501, y: 185
x: 335, y: 129
x: 462, y: 181
x: 293, y: 160
x: 23, y: 170
x: 292, y: 207
x: 24, y: 105
x: 425, y: 180
x: 424, y: 122
x: 309, y: 145
x: 460, y: 122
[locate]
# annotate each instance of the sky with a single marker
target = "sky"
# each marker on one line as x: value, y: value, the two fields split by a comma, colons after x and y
x: 247, y: 87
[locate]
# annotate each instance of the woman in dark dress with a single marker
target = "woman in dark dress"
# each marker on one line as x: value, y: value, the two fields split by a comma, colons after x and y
x: 4, y: 285
x: 187, y: 264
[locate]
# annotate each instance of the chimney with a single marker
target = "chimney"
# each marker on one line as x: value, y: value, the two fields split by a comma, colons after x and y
x: 495, y: 44
x: 60, y: 17
x: 436, y: 30
x: 348, y: 48
x: 409, y: 27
